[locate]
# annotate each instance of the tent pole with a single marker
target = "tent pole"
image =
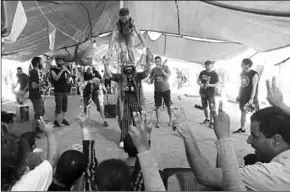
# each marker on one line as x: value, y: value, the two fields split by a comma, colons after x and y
x: 121, y: 4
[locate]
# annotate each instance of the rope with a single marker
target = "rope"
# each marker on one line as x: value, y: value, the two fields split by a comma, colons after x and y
x: 53, y: 24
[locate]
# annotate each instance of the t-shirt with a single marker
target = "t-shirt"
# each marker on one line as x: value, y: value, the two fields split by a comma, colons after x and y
x: 161, y: 83
x: 33, y: 77
x: 60, y: 86
x: 23, y: 80
x: 272, y: 176
x: 88, y: 77
x: 208, y: 77
x: 247, y: 84
x: 39, y: 179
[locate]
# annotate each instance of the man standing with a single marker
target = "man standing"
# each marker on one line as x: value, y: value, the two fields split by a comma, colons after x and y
x: 160, y: 75
x: 94, y: 89
x: 60, y: 75
x: 248, y: 95
x: 23, y: 82
x: 34, y: 92
x: 208, y: 81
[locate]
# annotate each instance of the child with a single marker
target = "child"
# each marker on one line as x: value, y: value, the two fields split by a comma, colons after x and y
x: 123, y: 32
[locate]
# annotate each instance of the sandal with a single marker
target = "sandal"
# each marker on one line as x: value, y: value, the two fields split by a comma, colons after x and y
x: 105, y: 124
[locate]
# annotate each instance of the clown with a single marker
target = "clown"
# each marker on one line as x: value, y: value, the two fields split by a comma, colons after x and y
x: 130, y: 96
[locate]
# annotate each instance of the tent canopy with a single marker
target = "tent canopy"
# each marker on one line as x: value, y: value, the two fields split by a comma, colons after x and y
x: 237, y: 25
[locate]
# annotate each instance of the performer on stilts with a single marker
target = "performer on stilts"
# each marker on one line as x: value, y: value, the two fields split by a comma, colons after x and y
x: 123, y: 33
x: 131, y: 96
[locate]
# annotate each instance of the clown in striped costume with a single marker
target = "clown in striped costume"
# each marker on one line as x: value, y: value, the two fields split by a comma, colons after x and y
x: 130, y: 96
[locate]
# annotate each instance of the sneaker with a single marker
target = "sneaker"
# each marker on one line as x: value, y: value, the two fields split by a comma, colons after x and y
x: 157, y: 125
x: 121, y: 145
x: 56, y: 124
x: 105, y: 124
x: 206, y: 121
x: 211, y: 125
x: 240, y: 130
x: 65, y: 122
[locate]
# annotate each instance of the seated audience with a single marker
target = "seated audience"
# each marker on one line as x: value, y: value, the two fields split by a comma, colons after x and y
x: 33, y: 157
x: 15, y: 174
x: 69, y: 170
x: 270, y: 137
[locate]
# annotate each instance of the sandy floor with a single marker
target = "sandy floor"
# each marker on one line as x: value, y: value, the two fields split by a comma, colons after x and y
x: 167, y: 146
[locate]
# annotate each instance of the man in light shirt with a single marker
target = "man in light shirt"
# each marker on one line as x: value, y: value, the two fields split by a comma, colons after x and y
x: 270, y: 137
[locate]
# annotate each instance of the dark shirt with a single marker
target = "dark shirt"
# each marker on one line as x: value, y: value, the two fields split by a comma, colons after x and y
x: 60, y: 86
x: 33, y: 77
x: 88, y: 77
x: 54, y: 187
x: 247, y: 84
x: 23, y: 80
x: 208, y: 77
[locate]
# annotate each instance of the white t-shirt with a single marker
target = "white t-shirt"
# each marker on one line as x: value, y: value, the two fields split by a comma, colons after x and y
x: 273, y: 176
x: 39, y: 179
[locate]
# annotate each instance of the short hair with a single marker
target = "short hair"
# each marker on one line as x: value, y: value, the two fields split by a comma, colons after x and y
x: 273, y: 121
x: 208, y: 62
x: 19, y: 68
x: 29, y: 137
x: 247, y: 62
x: 70, y: 167
x: 35, y: 62
x: 129, y: 146
x: 113, y: 175
x: 13, y: 160
x: 59, y: 58
x: 158, y: 57
x: 124, y: 12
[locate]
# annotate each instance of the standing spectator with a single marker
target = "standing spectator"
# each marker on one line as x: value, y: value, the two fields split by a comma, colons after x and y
x: 96, y: 73
x: 248, y: 94
x: 160, y: 75
x: 23, y: 81
x: 60, y: 75
x: 208, y: 80
x: 34, y: 91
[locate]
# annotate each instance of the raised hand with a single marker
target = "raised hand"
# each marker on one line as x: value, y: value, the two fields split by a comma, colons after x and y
x: 139, y: 132
x: 274, y: 94
x: 179, y: 123
x: 45, y: 127
x: 222, y: 125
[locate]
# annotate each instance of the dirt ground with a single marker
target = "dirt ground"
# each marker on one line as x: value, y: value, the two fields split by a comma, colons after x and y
x: 167, y: 146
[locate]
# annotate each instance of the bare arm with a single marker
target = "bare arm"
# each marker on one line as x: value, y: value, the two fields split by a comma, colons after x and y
x: 255, y: 83
x: 107, y: 71
x: 53, y: 149
x: 113, y: 37
x: 146, y: 72
x: 204, y: 172
x: 138, y: 33
x: 56, y: 77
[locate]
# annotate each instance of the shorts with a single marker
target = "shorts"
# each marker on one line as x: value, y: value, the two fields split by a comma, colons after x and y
x: 244, y: 100
x: 165, y: 95
x: 61, y: 103
x: 125, y: 41
x: 208, y: 100
x: 38, y: 107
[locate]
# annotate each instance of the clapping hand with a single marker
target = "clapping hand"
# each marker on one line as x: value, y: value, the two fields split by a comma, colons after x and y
x: 274, y: 94
x: 222, y: 125
x: 141, y: 132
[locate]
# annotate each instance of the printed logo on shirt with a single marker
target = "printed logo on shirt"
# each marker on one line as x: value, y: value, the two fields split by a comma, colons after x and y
x: 245, y: 81
x: 205, y: 78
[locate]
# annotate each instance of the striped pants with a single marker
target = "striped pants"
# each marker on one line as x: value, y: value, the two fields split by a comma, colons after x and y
x: 130, y: 104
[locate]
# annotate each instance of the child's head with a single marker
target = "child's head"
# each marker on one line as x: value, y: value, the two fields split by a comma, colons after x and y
x: 70, y: 167
x: 29, y: 137
x: 129, y: 146
x: 113, y: 175
x: 124, y: 14
x: 13, y: 160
